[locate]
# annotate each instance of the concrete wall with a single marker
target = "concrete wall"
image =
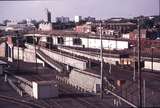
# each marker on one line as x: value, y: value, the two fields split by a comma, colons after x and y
x: 126, y: 36
x: 15, y: 53
x: 50, y: 62
x: 10, y: 52
x: 2, y: 66
x: 148, y: 65
x: 70, y: 60
x: 45, y: 89
x: 2, y: 50
x: 55, y: 40
x: 27, y: 55
x: 107, y: 44
x: 27, y: 89
x: 43, y: 39
x: 112, y: 60
x: 39, y: 89
x: 92, y: 43
x: 1, y: 69
x: 69, y: 41
x: 85, y: 80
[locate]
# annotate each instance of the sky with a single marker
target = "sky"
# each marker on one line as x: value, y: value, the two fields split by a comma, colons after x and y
x: 101, y: 9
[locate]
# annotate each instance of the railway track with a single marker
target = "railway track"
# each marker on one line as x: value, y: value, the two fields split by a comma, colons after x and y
x: 83, y: 101
x: 48, y: 103
x: 24, y: 103
x: 51, y: 103
x: 150, y: 75
x: 66, y: 97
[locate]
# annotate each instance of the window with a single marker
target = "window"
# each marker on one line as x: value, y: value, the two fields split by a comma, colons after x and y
x: 77, y: 41
x: 60, y: 40
x: 9, y: 51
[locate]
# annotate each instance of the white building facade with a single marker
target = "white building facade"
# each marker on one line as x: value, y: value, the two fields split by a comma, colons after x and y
x: 87, y: 42
x: 77, y: 19
x: 45, y: 26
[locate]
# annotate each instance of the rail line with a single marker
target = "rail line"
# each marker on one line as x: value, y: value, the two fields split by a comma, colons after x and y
x: 47, y: 102
x: 20, y: 102
x: 78, y: 99
x: 50, y: 103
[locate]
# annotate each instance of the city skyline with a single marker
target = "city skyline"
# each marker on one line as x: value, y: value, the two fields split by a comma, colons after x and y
x: 18, y: 10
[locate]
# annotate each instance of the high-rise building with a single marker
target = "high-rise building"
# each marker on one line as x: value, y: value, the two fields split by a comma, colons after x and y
x: 48, y: 16
x: 77, y: 18
x: 90, y: 19
x: 62, y: 19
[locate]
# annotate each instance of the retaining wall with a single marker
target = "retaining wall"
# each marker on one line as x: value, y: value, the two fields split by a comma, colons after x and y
x: 85, y: 80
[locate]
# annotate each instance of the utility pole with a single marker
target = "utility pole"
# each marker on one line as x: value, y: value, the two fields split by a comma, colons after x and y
x: 152, y: 59
x: 17, y: 41
x: 88, y: 51
x: 101, y: 56
x: 159, y: 9
x: 144, y: 93
x: 139, y: 65
x: 34, y: 41
x: 134, y: 73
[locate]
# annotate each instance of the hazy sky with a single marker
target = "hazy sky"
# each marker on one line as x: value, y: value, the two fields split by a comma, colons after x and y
x: 18, y: 10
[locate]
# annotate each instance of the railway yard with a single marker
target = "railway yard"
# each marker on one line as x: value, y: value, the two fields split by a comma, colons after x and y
x: 107, y: 56
x: 71, y: 78
x: 71, y: 96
